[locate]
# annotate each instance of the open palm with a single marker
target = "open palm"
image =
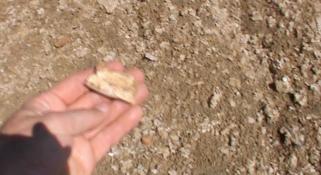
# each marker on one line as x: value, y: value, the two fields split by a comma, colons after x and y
x: 85, y: 121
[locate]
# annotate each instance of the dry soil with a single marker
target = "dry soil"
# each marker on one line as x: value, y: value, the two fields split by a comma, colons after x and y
x: 235, y: 84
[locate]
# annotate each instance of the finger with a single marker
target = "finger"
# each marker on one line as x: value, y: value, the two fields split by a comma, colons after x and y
x: 45, y: 102
x: 73, y: 87
x: 118, y: 108
x: 115, y: 131
x: 141, y: 94
x: 88, y: 101
x: 77, y: 121
x: 64, y: 93
x: 91, y: 99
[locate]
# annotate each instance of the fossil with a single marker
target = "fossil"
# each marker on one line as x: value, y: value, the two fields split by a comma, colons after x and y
x: 113, y: 84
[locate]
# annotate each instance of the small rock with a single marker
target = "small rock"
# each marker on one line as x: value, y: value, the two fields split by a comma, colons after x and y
x: 206, y: 125
x: 216, y: 97
x: 318, y: 21
x: 227, y: 129
x: 293, y: 161
x: 260, y: 117
x: 232, y: 142
x: 309, y: 169
x: 115, y: 168
x: 305, y: 69
x: 109, y: 5
x: 165, y: 45
x: 317, y: 54
x: 110, y: 56
x: 114, y: 152
x: 225, y: 150
x: 174, y: 137
x: 165, y: 152
x: 301, y: 98
x: 172, y: 172
x: 283, y: 85
x: 256, y: 16
x: 251, y: 120
x: 150, y: 57
x: 163, y: 133
x: 232, y: 103
x: 315, y: 88
x: 41, y: 12
x: 182, y: 57
x: 154, y: 171
x: 147, y: 140
x: 62, y: 41
x: 173, y: 147
x: 271, y: 114
x: 251, y: 167
x: 82, y: 51
x: 319, y: 137
x: 292, y: 136
x: 271, y: 22
x: 126, y: 165
x: 140, y: 170
x: 185, y: 152
x: 314, y: 156
x: 316, y: 70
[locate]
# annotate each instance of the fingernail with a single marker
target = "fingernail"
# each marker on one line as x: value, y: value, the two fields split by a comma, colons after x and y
x: 104, y: 107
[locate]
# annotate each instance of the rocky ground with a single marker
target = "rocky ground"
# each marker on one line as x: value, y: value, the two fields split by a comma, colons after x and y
x: 235, y: 84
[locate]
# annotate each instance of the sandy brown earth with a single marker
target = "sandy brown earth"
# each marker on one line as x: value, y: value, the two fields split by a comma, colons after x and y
x: 235, y: 84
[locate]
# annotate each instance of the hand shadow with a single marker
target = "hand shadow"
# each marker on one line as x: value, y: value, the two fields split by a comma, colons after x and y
x: 39, y: 154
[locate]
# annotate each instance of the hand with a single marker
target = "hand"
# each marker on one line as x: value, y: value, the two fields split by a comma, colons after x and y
x: 87, y: 123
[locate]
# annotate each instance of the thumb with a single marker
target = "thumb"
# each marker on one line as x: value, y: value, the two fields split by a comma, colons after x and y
x: 76, y: 121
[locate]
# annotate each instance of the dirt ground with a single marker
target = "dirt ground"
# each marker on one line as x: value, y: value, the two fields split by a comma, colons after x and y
x: 235, y: 84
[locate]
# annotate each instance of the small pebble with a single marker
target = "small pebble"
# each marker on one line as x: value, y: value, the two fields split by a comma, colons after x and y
x: 301, y: 98
x: 283, y: 85
x: 62, y: 41
x: 272, y: 114
x: 293, y: 161
x: 172, y: 172
x: 150, y: 57
x: 215, y: 98
x: 147, y: 140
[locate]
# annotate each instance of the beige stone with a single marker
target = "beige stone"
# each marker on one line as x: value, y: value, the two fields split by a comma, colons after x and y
x: 113, y: 84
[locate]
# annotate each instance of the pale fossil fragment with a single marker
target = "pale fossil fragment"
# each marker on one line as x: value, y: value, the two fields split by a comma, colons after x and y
x: 113, y: 84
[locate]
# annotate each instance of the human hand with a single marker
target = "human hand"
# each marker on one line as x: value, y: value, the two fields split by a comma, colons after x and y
x: 83, y: 121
